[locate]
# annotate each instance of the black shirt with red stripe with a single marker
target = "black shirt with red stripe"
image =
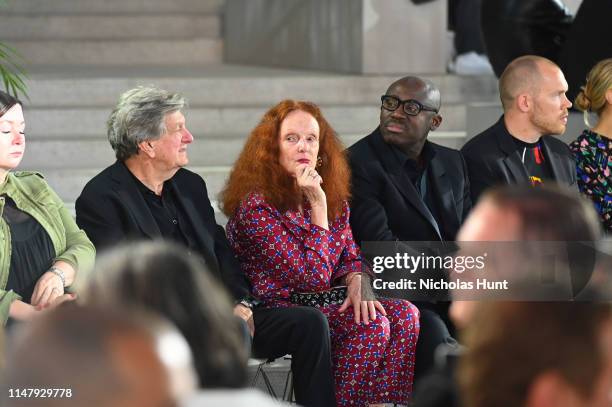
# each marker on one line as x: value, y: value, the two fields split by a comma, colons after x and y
x: 534, y: 161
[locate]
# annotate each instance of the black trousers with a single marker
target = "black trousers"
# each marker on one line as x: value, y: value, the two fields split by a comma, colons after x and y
x: 466, y: 19
x: 512, y: 28
x: 589, y: 41
x: 302, y: 332
x: 434, y: 332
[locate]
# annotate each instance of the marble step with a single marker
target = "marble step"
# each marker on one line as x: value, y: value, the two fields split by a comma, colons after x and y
x: 232, y: 85
x: 110, y: 7
x: 131, y: 52
x: 115, y: 27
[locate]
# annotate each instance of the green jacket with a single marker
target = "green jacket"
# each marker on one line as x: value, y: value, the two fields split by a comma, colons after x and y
x: 32, y: 194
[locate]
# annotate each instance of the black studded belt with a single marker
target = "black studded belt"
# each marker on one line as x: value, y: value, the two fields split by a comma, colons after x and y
x: 335, y: 295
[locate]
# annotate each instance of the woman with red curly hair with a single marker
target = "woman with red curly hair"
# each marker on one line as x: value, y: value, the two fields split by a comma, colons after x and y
x: 286, y: 200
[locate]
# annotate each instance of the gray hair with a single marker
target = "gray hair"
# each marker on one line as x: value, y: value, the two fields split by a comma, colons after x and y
x: 139, y: 116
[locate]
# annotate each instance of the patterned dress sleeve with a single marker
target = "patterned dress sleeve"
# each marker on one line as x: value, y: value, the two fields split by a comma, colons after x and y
x: 584, y: 165
x: 277, y: 253
x: 350, y: 259
x: 593, y: 173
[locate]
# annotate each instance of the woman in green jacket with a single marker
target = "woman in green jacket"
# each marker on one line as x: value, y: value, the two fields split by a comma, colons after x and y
x: 42, y: 250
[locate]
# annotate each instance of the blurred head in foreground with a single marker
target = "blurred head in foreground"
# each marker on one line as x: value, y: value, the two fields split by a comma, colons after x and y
x: 538, y: 354
x: 521, y: 228
x: 103, y: 357
x: 164, y: 278
x: 522, y: 212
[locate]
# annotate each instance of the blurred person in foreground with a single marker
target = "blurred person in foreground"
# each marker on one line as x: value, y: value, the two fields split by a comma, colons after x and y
x: 42, y: 250
x: 533, y: 218
x: 106, y: 357
x: 162, y: 277
x: 514, y: 224
x: 286, y: 199
x: 593, y: 148
x: 538, y: 354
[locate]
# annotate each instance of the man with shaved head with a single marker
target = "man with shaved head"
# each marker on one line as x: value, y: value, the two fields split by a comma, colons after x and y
x: 406, y: 188
x: 519, y: 148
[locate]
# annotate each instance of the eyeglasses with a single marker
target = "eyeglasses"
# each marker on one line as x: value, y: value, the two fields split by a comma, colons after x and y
x: 411, y: 107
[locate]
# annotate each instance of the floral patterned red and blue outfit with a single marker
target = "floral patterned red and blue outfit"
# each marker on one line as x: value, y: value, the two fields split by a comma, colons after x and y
x: 593, y: 154
x: 284, y: 252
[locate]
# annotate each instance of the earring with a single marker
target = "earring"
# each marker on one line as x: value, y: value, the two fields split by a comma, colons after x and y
x: 319, y: 161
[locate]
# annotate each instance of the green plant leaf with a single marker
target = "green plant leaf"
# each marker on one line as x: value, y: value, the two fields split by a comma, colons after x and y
x: 11, y: 71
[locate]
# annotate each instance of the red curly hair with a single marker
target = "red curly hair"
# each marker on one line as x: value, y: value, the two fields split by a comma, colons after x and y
x: 258, y: 168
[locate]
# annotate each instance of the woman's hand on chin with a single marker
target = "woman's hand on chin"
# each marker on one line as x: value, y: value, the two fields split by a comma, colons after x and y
x: 309, y: 181
x: 364, y: 310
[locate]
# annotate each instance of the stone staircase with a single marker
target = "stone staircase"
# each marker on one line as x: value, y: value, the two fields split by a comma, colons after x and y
x: 113, y: 32
x: 73, y: 85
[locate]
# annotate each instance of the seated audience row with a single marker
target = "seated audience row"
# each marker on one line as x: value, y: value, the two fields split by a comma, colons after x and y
x: 148, y: 194
x: 137, y: 276
x: 294, y: 271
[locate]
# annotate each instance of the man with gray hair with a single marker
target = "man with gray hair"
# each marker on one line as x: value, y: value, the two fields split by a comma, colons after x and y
x: 147, y: 194
x: 519, y: 149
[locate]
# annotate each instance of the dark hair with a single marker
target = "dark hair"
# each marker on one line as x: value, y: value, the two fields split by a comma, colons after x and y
x: 525, y: 339
x: 7, y: 101
x: 166, y: 278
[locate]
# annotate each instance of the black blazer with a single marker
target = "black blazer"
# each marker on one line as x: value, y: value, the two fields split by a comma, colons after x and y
x: 111, y: 209
x: 493, y: 158
x: 385, y: 205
